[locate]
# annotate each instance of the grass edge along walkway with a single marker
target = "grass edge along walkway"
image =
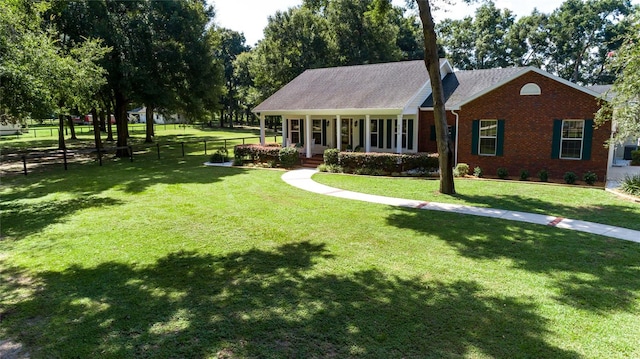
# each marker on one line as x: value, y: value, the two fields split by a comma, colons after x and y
x: 301, y: 178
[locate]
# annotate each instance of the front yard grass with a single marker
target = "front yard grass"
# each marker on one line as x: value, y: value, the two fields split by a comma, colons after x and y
x: 589, y: 204
x: 168, y: 258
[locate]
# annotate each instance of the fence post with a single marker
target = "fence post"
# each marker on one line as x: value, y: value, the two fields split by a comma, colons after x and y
x: 51, y: 132
x: 24, y: 164
x: 182, y: 143
x: 158, y: 149
x: 205, y: 147
x: 275, y: 138
x: 64, y: 156
x: 225, y: 143
x: 35, y: 133
x: 131, y: 153
x: 243, y: 140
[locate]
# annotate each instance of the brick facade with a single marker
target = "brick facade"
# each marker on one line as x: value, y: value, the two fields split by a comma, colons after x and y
x: 528, y: 130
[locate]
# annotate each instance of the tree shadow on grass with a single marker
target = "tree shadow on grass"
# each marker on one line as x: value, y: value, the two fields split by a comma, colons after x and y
x: 266, y: 304
x: 25, y: 210
x: 591, y: 272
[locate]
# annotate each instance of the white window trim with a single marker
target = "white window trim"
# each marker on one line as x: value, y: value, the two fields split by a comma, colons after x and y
x: 480, y: 137
x: 291, y: 130
x: 376, y: 132
x: 581, y: 139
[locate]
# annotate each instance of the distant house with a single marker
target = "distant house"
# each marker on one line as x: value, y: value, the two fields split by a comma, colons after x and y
x: 139, y: 115
x: 10, y: 129
x: 516, y: 118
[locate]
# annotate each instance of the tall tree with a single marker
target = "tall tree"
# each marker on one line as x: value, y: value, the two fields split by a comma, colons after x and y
x: 432, y: 62
x: 581, y: 33
x: 482, y: 42
x: 161, y: 52
x: 294, y: 40
x: 232, y: 44
x: 623, y: 105
x: 38, y: 76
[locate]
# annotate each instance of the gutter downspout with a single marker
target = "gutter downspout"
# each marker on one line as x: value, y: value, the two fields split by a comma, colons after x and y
x: 455, y: 160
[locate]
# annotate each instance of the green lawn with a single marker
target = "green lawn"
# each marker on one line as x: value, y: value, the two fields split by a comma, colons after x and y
x: 173, y: 259
x: 590, y: 204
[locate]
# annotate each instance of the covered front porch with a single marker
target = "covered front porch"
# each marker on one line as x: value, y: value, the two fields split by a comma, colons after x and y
x: 314, y: 133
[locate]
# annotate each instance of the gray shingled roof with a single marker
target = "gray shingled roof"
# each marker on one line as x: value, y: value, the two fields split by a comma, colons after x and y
x: 462, y: 85
x: 600, y: 88
x: 377, y: 86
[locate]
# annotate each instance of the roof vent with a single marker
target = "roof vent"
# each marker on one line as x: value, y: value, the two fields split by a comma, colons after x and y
x: 530, y: 89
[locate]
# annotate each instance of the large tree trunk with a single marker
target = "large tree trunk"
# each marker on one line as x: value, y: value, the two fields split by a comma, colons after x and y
x: 72, y: 128
x: 61, y: 144
x: 149, y: 124
x: 121, y: 126
x: 103, y: 123
x: 96, y: 129
x: 432, y: 61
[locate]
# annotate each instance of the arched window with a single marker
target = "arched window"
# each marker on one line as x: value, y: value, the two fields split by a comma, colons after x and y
x: 530, y: 89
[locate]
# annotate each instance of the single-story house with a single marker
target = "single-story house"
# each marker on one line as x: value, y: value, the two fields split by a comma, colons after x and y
x: 516, y: 118
x: 139, y: 115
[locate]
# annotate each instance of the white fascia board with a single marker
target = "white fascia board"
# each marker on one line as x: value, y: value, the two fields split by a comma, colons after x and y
x: 334, y: 112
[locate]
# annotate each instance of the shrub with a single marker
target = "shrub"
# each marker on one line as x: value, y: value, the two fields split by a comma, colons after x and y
x: 257, y: 153
x: 331, y: 156
x: 631, y: 185
x: 503, y: 173
x: 590, y: 178
x: 386, y: 162
x: 323, y: 167
x: 237, y: 161
x: 368, y: 171
x: 334, y: 169
x: 221, y: 155
x: 524, y: 175
x: 635, y: 158
x: 477, y: 171
x: 288, y: 157
x: 543, y: 175
x: 461, y: 170
x: 570, y: 178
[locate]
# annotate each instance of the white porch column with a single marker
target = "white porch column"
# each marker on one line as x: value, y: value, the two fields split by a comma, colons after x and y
x: 367, y: 133
x: 308, y: 130
x: 262, y: 130
x: 285, y: 131
x: 399, y: 135
x: 338, y: 129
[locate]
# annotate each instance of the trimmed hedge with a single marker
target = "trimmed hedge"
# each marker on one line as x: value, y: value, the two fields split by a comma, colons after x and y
x: 377, y: 162
x: 257, y: 153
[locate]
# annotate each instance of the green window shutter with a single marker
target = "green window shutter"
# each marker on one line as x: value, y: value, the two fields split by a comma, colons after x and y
x: 587, y: 140
x: 302, y: 134
x: 500, y: 139
x: 453, y: 134
x: 557, y: 137
x: 410, y: 134
x: 432, y: 135
x: 475, y: 136
x: 324, y: 132
x: 389, y: 132
x: 361, y: 124
x: 380, y: 133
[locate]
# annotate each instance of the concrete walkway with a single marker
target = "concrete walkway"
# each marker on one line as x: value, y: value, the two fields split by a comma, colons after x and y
x: 302, y: 179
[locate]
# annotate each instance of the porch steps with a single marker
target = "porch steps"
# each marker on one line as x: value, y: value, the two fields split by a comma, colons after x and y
x: 312, y: 162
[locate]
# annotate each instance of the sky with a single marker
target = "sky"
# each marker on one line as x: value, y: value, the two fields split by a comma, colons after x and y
x: 250, y: 16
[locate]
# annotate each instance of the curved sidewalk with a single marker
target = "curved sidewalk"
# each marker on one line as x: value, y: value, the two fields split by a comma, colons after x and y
x: 302, y: 179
